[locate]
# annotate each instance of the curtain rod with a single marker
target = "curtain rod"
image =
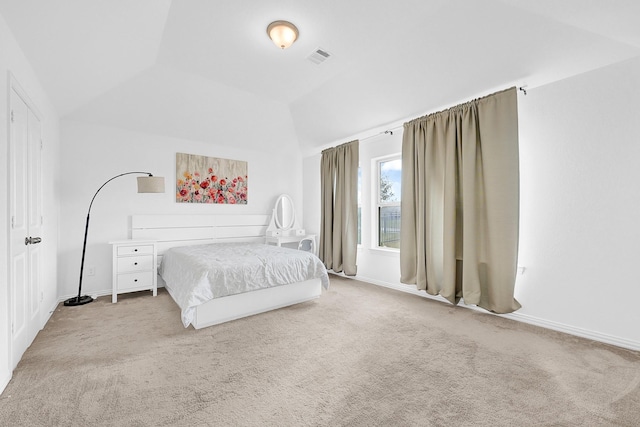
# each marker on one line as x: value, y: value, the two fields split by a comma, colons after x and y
x: 390, y: 131
x: 385, y: 132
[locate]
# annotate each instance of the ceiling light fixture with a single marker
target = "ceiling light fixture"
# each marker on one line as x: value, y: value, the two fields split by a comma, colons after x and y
x: 283, y: 33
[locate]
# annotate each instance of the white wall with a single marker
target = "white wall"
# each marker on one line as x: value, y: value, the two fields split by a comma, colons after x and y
x: 13, y: 60
x: 580, y: 198
x: 92, y: 154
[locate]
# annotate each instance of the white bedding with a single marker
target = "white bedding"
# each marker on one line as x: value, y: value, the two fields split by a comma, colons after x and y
x: 196, y: 274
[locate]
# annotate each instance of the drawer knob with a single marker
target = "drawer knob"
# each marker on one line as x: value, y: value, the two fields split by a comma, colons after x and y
x: 135, y: 263
x: 135, y: 250
x: 135, y: 280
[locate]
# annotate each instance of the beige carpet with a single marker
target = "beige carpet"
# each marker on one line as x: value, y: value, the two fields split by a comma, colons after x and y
x: 360, y: 355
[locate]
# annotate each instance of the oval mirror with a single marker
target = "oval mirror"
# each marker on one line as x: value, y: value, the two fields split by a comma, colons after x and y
x: 285, y: 214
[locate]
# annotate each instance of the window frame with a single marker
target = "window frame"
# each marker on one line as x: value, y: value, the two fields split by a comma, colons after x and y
x: 378, y: 204
x: 360, y: 184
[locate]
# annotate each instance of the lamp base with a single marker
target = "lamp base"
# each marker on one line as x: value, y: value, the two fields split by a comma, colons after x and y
x: 78, y: 300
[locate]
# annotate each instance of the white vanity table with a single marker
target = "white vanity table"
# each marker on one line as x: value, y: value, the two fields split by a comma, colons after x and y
x: 284, y: 226
x: 279, y: 240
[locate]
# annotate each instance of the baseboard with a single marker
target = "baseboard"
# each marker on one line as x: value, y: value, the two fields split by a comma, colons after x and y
x: 524, y: 318
x: 5, y: 381
x: 95, y: 294
x: 573, y: 330
x: 49, y: 314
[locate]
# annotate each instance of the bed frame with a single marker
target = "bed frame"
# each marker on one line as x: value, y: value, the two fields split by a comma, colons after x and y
x: 182, y: 230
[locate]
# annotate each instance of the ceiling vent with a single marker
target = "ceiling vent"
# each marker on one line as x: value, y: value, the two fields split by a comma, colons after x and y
x: 318, y: 56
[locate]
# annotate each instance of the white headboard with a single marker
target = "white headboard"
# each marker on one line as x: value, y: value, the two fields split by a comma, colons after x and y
x: 182, y: 230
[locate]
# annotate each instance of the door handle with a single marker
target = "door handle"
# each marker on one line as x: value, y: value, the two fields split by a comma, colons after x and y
x: 32, y: 240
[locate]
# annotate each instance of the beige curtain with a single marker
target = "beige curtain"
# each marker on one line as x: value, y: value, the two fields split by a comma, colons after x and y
x: 460, y: 202
x: 339, y: 218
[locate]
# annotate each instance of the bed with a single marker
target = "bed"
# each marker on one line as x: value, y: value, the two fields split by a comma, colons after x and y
x: 217, y: 267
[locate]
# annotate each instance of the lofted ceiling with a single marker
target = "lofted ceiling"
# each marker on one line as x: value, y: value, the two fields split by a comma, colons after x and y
x: 187, y: 68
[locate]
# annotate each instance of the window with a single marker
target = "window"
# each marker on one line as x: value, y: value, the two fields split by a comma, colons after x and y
x: 359, y: 206
x: 388, y: 201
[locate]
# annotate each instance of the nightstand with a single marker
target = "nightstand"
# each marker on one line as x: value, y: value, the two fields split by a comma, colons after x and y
x: 134, y: 267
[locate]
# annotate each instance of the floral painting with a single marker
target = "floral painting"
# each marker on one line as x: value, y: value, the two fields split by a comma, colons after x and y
x: 201, y: 179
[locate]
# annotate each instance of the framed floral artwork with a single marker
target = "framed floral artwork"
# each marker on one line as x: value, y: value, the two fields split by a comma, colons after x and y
x: 201, y: 179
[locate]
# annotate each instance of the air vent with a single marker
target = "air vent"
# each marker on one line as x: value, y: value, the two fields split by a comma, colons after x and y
x: 318, y: 56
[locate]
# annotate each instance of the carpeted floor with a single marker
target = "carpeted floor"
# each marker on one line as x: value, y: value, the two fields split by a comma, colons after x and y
x: 360, y: 355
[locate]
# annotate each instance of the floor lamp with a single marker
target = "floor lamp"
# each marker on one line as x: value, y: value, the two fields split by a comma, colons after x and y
x: 146, y: 184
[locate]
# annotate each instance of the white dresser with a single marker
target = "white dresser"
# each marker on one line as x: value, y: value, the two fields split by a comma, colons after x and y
x: 134, y: 267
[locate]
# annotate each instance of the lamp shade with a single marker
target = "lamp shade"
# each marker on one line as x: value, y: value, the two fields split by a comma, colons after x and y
x: 150, y: 184
x: 283, y: 33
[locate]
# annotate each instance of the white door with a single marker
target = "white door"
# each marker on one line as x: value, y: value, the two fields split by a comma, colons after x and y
x: 25, y: 206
